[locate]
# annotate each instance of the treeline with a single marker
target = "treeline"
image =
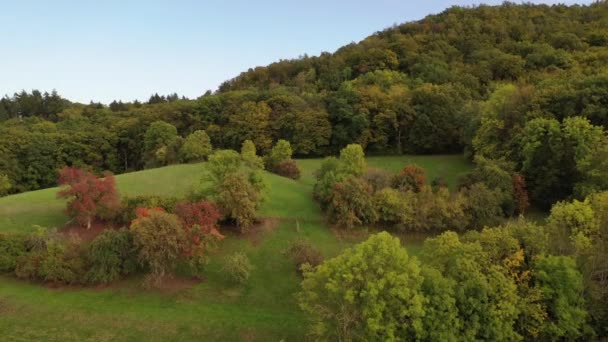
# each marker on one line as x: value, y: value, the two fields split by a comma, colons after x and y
x: 525, y: 83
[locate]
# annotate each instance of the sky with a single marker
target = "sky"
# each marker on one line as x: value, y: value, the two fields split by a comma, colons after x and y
x: 126, y: 50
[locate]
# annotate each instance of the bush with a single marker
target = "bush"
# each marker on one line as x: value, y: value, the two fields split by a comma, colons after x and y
x: 112, y: 254
x: 287, y: 168
x: 303, y: 252
x: 483, y: 206
x: 238, y: 267
x: 160, y: 240
x: 378, y: 178
x: 130, y: 204
x: 395, y: 207
x: 59, y: 262
x: 63, y: 263
x: 12, y: 247
x: 411, y: 178
x: 351, y: 203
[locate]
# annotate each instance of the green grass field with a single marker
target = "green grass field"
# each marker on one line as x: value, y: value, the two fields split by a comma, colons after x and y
x: 265, y: 309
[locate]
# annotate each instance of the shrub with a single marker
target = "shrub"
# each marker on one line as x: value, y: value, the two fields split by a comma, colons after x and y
x: 378, y: 178
x: 12, y: 247
x: 439, y: 182
x: 287, y: 168
x: 483, y: 206
x: 351, y: 203
x: 411, y: 178
x: 303, y: 252
x: 160, y: 240
x: 394, y: 207
x: 238, y: 267
x: 129, y: 206
x: 58, y: 262
x: 63, y: 263
x: 112, y: 254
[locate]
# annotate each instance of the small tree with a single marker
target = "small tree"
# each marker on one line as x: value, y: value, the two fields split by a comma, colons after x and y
x: 220, y: 165
x: 352, y: 160
x: 200, y: 221
x: 411, y: 178
x: 351, y: 203
x: 161, y: 240
x: 89, y: 197
x: 5, y: 184
x: 238, y: 267
x: 249, y: 155
x: 280, y: 152
x: 238, y: 200
x: 196, y: 147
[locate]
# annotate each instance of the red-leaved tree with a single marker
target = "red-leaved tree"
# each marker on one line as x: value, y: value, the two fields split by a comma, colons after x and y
x: 89, y: 197
x: 200, y: 221
x: 520, y: 194
x: 411, y: 178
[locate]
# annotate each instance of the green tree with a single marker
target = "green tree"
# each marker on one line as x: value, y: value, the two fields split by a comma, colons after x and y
x: 221, y: 164
x: 158, y: 134
x: 352, y: 160
x: 280, y: 152
x: 238, y: 200
x: 196, y: 147
x: 250, y: 121
x: 160, y: 239
x: 351, y: 203
x: 5, y: 184
x: 486, y: 298
x: 561, y: 285
x: 249, y: 156
x: 369, y: 292
x: 544, y: 165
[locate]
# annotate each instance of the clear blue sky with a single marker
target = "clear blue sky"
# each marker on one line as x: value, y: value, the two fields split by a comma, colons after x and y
x: 126, y: 50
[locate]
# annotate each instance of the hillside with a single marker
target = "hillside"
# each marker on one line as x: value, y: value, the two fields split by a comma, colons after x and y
x: 422, y: 87
x: 212, y: 309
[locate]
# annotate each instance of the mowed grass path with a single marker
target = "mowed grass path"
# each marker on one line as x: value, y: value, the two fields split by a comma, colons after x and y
x: 265, y: 309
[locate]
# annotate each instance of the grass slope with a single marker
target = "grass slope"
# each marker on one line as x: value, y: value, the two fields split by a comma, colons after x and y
x: 264, y: 309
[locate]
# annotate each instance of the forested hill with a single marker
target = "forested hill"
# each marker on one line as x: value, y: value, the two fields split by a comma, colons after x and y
x: 472, y: 47
x: 528, y: 83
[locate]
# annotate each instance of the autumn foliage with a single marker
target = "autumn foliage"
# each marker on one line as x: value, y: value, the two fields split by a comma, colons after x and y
x: 89, y: 197
x: 200, y: 218
x: 411, y: 178
x: 520, y: 194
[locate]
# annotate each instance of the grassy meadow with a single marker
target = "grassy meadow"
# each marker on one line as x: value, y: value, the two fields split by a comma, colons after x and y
x: 265, y: 309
